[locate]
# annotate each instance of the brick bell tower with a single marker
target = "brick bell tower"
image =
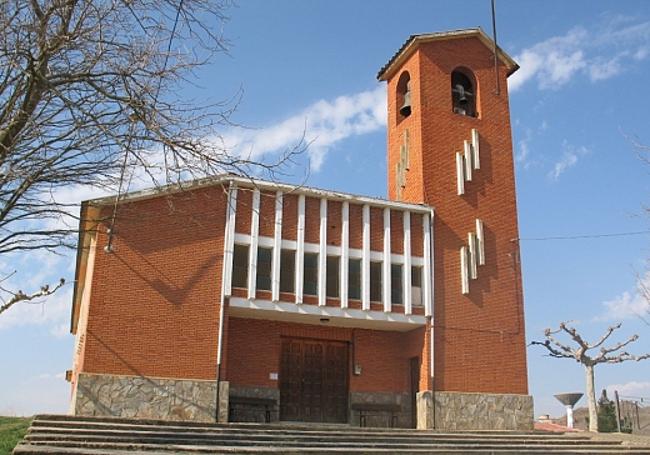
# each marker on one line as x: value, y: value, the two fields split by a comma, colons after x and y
x: 450, y: 146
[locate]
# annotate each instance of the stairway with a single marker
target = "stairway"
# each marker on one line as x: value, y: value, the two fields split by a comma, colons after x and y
x: 55, y: 434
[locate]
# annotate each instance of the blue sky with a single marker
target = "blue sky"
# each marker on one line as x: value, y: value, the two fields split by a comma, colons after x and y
x: 578, y: 105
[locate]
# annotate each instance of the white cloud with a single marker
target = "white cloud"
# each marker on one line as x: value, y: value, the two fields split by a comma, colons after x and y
x: 602, y: 69
x: 569, y: 158
x: 629, y: 304
x: 632, y: 389
x: 323, y: 125
x: 523, y: 155
x: 598, y: 54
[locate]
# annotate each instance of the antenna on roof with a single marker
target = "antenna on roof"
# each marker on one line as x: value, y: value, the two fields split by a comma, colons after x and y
x: 496, y: 50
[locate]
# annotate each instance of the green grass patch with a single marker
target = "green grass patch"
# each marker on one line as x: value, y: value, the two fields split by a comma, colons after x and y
x: 12, y: 430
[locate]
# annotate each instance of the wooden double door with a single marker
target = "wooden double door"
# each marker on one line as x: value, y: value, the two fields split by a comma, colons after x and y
x: 314, y: 381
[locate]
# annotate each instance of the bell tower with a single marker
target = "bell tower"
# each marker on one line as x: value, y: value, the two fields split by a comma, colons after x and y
x: 450, y: 146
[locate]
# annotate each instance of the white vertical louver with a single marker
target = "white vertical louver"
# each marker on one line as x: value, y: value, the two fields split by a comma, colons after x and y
x: 467, y: 162
x: 467, y: 155
x: 480, y: 242
x: 476, y: 155
x: 473, y: 271
x: 460, y: 174
x: 464, y: 276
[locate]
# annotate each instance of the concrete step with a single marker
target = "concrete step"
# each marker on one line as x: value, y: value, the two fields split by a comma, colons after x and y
x: 143, y: 432
x: 238, y: 429
x: 115, y: 436
x: 151, y: 449
x: 289, y: 426
x: 74, y: 439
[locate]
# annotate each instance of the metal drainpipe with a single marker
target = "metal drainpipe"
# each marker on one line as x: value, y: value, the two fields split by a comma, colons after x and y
x: 431, y: 319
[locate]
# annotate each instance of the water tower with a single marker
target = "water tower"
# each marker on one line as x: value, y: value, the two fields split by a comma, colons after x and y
x: 569, y: 400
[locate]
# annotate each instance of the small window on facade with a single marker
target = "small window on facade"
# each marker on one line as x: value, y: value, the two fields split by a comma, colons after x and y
x: 396, y: 284
x: 332, y: 276
x: 463, y: 93
x: 375, y: 281
x: 310, y: 275
x: 404, y: 95
x: 240, y: 266
x: 354, y: 279
x: 416, y: 286
x: 264, y: 269
x: 287, y: 271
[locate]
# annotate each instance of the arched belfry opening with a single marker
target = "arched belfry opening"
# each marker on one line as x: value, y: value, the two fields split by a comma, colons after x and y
x: 463, y: 92
x: 404, y: 99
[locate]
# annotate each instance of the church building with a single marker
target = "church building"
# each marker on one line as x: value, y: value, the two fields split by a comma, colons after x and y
x: 234, y: 299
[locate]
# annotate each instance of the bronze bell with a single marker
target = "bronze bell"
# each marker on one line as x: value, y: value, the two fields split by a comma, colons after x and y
x: 405, y: 110
x: 462, y: 97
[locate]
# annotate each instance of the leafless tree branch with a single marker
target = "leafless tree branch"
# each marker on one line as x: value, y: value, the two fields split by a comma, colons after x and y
x: 89, y: 87
x: 20, y: 296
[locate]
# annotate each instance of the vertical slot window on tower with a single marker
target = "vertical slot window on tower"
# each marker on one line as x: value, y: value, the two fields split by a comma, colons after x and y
x: 375, y: 281
x: 310, y: 275
x: 240, y: 266
x: 416, y: 286
x: 287, y: 271
x: 263, y: 279
x: 333, y: 276
x: 354, y: 279
x: 396, y: 296
x: 463, y: 92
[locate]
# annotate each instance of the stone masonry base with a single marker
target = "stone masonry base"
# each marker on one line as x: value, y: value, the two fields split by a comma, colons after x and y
x: 194, y: 400
x: 149, y: 398
x: 474, y: 411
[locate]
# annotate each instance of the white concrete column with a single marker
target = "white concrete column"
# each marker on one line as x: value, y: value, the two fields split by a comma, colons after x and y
x: 322, y: 255
x: 300, y: 248
x: 427, y: 288
x: 345, y: 257
x: 252, y: 252
x: 406, y: 271
x: 229, y: 240
x: 386, y: 281
x: 365, y: 259
x: 277, y: 249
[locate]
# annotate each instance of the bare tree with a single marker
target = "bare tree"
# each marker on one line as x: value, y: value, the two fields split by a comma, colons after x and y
x: 644, y: 292
x: 580, y: 354
x: 643, y: 153
x: 89, y: 93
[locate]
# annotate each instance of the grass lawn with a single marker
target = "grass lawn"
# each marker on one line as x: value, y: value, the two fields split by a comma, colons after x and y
x: 12, y: 430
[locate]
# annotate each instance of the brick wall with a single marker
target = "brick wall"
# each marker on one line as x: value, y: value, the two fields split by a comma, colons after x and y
x: 254, y: 353
x: 479, y: 338
x: 154, y: 307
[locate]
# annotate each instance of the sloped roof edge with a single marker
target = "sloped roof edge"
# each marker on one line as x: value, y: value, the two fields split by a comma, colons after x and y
x: 414, y: 41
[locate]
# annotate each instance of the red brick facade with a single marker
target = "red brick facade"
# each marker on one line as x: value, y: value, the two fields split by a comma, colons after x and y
x: 479, y: 338
x: 154, y: 302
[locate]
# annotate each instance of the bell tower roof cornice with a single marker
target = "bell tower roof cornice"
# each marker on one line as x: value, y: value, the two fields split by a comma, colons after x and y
x: 412, y: 43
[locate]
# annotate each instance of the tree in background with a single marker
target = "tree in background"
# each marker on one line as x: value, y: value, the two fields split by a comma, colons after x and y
x: 89, y: 96
x: 580, y: 354
x: 606, y: 414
